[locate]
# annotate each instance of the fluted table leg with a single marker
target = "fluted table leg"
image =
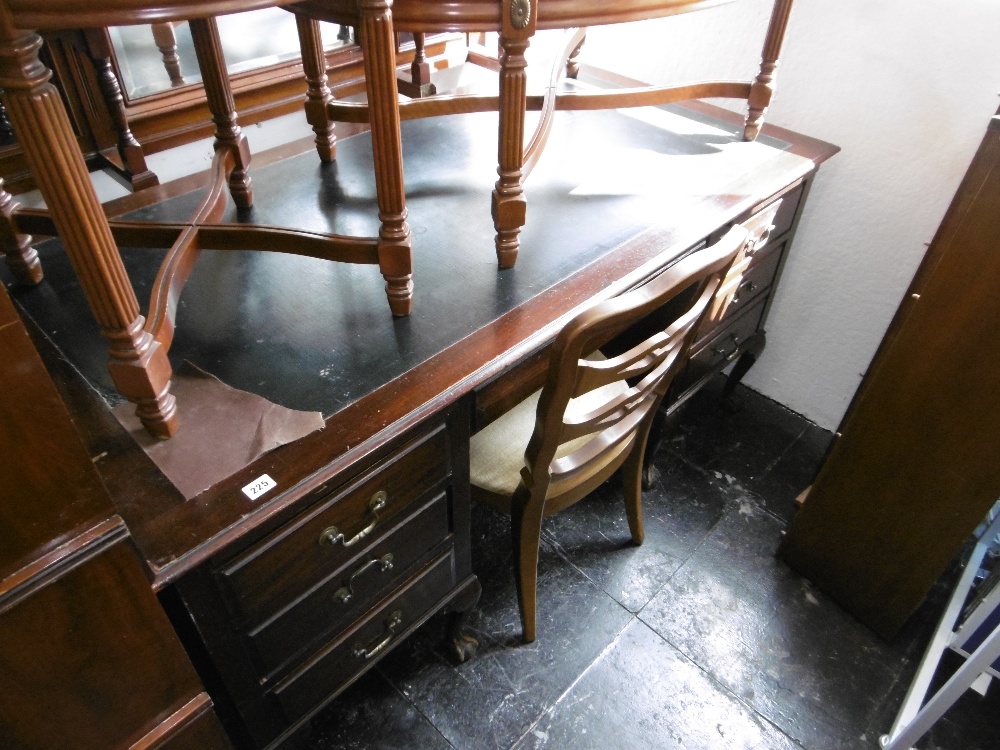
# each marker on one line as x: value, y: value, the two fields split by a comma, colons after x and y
x: 509, y: 206
x: 378, y: 40
x: 208, y: 47
x: 138, y: 366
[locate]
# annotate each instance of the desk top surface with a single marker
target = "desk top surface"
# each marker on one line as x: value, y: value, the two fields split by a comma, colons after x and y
x: 614, y: 197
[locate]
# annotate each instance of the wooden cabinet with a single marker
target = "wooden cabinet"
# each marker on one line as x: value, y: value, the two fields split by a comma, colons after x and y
x: 292, y: 617
x: 914, y: 469
x: 89, y: 658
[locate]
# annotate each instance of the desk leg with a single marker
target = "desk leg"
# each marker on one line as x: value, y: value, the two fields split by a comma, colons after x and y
x: 747, y: 360
x: 208, y: 47
x: 318, y: 94
x: 395, y: 257
x: 463, y: 646
x: 139, y: 366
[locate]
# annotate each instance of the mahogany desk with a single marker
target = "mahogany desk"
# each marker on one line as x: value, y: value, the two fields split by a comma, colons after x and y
x: 400, y: 395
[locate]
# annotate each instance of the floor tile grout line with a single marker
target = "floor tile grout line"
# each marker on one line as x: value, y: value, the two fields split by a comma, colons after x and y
x: 611, y: 644
x: 381, y: 673
x: 717, y: 683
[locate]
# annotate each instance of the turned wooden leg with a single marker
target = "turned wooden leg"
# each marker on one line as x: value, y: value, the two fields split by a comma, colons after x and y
x: 509, y: 207
x: 573, y: 61
x: 526, y: 532
x: 318, y: 94
x: 166, y: 42
x: 748, y: 359
x: 762, y: 88
x: 139, y: 366
x: 6, y: 129
x: 462, y: 645
x: 419, y: 84
x: 395, y: 256
x: 632, y: 486
x: 208, y: 47
x: 420, y: 69
x: 133, y: 159
x: 22, y: 260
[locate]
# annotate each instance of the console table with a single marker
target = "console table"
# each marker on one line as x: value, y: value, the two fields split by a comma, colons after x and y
x: 277, y: 621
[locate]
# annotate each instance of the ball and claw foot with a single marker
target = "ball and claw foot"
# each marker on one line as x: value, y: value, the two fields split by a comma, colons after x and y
x: 463, y: 647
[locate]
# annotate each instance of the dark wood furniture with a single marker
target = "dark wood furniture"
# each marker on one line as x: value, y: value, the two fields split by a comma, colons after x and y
x: 593, y: 415
x: 116, y: 131
x: 516, y: 21
x: 89, y: 659
x: 400, y: 395
x: 138, y: 345
x: 913, y: 468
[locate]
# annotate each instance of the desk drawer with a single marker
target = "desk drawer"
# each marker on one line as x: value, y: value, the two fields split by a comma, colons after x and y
x: 294, y: 559
x: 723, y: 348
x: 756, y: 280
x: 336, y: 664
x: 352, y: 589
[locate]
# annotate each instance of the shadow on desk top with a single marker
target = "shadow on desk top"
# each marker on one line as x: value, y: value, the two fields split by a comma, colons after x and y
x: 613, y: 193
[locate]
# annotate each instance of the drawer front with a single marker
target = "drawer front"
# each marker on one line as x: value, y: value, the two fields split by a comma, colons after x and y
x: 786, y: 212
x: 755, y: 281
x: 296, y: 558
x: 335, y: 665
x: 352, y: 589
x: 723, y: 348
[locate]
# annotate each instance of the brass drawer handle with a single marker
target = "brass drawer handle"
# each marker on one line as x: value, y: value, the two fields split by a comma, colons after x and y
x: 331, y: 535
x: 370, y: 652
x: 730, y: 356
x: 747, y: 287
x: 345, y: 593
x: 760, y: 240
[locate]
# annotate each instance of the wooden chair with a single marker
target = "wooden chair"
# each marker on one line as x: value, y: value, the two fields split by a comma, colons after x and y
x: 593, y: 415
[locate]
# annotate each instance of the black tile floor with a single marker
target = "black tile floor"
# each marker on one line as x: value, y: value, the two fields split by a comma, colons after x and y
x: 700, y: 638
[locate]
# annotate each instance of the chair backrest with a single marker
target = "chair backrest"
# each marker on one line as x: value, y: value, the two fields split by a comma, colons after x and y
x: 580, y: 398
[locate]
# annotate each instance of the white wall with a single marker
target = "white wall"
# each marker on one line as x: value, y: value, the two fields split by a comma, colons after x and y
x: 905, y: 88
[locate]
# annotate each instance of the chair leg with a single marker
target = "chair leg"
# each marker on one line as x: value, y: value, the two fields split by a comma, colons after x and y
x: 762, y: 88
x: 395, y: 257
x: 318, y: 95
x: 509, y: 205
x: 526, y: 530
x: 632, y: 486
x: 208, y: 48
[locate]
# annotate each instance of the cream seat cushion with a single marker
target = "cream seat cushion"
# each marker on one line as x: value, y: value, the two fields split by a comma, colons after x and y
x: 497, y: 451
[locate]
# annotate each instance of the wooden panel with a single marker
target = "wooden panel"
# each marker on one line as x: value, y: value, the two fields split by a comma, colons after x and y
x: 915, y: 468
x: 51, y: 493
x: 86, y: 665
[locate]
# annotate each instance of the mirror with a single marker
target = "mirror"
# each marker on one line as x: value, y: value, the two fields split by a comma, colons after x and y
x: 156, y: 58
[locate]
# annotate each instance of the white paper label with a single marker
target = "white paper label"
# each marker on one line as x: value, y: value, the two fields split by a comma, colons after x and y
x: 259, y: 486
